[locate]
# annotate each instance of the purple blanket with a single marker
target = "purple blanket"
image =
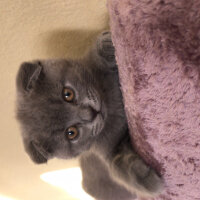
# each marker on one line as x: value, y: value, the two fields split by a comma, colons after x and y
x: 158, y: 52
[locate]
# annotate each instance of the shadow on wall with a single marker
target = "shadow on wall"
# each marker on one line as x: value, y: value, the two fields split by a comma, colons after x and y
x: 67, y: 43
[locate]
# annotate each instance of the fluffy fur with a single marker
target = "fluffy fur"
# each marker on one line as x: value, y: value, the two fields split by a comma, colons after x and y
x: 96, y: 111
x: 158, y: 53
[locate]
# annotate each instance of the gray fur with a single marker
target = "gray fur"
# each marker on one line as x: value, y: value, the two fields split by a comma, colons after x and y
x: 103, y: 143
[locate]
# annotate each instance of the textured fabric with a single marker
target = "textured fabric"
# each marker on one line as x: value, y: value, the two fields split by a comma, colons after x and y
x: 158, y: 52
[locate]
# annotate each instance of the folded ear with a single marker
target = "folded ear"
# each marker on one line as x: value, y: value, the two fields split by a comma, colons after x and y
x: 34, y: 153
x: 28, y: 75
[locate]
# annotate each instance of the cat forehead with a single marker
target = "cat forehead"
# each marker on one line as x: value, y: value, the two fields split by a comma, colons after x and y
x: 54, y: 69
x: 62, y: 70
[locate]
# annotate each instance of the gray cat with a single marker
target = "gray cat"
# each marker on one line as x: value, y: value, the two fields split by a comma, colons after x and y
x: 70, y: 108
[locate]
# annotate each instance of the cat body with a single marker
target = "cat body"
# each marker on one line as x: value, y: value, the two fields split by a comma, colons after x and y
x: 70, y: 108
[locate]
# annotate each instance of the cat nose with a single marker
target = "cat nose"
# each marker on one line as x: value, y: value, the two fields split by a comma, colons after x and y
x: 87, y: 114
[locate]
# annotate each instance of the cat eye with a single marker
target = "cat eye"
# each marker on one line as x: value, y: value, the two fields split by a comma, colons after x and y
x: 71, y: 133
x: 68, y: 94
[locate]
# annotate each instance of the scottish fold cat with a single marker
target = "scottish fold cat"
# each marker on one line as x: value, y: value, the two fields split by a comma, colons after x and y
x: 74, y: 108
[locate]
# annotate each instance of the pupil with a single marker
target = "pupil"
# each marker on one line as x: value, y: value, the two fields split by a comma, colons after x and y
x: 71, y: 133
x: 67, y: 94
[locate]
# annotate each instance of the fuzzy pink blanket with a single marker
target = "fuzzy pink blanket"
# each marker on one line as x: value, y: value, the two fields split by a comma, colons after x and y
x: 158, y: 52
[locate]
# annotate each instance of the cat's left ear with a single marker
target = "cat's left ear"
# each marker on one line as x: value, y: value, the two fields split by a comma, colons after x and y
x: 28, y: 75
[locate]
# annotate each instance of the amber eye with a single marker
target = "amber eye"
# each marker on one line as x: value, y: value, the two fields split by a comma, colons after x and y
x: 72, y: 133
x: 68, y: 94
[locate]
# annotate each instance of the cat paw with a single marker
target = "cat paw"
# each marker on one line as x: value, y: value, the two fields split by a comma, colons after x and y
x: 151, y: 184
x: 137, y: 176
x: 105, y: 47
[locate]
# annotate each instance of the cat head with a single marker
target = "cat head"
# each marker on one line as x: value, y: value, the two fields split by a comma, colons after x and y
x: 60, y: 108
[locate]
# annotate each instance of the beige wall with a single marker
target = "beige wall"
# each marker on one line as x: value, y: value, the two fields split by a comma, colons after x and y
x: 31, y: 29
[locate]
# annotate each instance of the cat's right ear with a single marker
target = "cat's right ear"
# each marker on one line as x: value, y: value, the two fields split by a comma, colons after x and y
x: 34, y: 153
x: 28, y: 75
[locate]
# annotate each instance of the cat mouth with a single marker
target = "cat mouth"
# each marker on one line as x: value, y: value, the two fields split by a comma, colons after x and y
x: 98, y: 122
x: 102, y: 111
x: 98, y: 127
